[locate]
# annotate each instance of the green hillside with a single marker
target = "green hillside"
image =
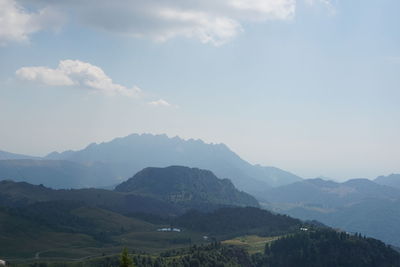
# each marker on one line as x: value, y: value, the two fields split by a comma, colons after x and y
x: 187, y: 187
x: 316, y: 248
x: 325, y: 247
x: 238, y: 221
x: 172, y: 216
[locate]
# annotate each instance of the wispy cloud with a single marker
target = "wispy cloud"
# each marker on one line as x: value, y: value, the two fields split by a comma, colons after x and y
x: 160, y: 103
x: 76, y: 73
x: 209, y: 21
x: 16, y: 24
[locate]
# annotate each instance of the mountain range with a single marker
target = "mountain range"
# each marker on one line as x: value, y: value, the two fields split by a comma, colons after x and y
x: 57, y: 174
x: 109, y: 163
x: 357, y: 205
x: 390, y: 180
x: 8, y: 155
x: 156, y: 213
x: 166, y: 188
x: 102, y: 220
x: 163, y: 191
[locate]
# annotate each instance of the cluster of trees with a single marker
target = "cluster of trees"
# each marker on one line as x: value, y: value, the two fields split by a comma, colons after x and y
x: 314, y: 248
x: 326, y: 247
x: 319, y: 246
x: 213, y: 254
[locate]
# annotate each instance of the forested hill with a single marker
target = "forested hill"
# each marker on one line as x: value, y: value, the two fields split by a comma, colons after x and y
x: 325, y: 247
x: 161, y: 191
x: 239, y: 221
x: 56, y: 220
x: 317, y: 248
x: 183, y: 185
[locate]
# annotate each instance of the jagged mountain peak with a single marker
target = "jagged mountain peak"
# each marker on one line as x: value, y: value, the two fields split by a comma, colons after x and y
x: 130, y: 154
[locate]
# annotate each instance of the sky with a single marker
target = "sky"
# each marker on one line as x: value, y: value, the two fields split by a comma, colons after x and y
x: 309, y: 86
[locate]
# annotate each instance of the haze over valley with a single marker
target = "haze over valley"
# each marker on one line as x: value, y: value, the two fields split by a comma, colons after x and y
x: 343, y: 205
x: 169, y: 133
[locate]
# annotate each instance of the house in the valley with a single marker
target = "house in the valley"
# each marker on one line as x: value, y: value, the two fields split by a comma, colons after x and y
x: 169, y: 229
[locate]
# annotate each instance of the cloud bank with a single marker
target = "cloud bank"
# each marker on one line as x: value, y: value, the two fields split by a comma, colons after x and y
x: 76, y: 73
x: 16, y: 24
x: 209, y: 21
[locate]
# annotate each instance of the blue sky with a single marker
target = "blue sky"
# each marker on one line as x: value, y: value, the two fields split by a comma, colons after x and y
x: 310, y: 86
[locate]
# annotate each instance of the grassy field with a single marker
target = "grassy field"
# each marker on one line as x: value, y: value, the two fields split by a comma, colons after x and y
x: 252, y: 243
x: 77, y: 246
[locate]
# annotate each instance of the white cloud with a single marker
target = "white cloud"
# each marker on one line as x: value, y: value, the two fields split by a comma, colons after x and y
x: 45, y: 75
x: 264, y: 9
x: 16, y: 24
x: 76, y: 73
x: 194, y: 24
x: 209, y: 21
x: 160, y: 103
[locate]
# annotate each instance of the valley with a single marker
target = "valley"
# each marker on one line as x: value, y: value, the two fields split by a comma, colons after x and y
x: 176, y: 210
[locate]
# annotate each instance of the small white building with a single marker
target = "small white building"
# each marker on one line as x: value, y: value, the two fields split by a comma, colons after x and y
x: 2, y: 263
x: 169, y: 229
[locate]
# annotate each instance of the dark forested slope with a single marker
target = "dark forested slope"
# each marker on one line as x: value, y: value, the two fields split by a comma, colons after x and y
x: 186, y: 186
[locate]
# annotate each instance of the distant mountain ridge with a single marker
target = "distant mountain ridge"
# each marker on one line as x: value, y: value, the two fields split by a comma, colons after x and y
x: 390, y: 180
x: 357, y: 205
x: 4, y: 155
x: 181, y: 185
x: 330, y: 194
x: 132, y: 153
x: 56, y: 174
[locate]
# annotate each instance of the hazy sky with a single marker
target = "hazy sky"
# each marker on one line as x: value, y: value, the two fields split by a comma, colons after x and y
x: 310, y: 86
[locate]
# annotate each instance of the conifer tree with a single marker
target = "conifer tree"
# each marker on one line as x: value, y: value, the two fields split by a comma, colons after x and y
x: 125, y: 260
